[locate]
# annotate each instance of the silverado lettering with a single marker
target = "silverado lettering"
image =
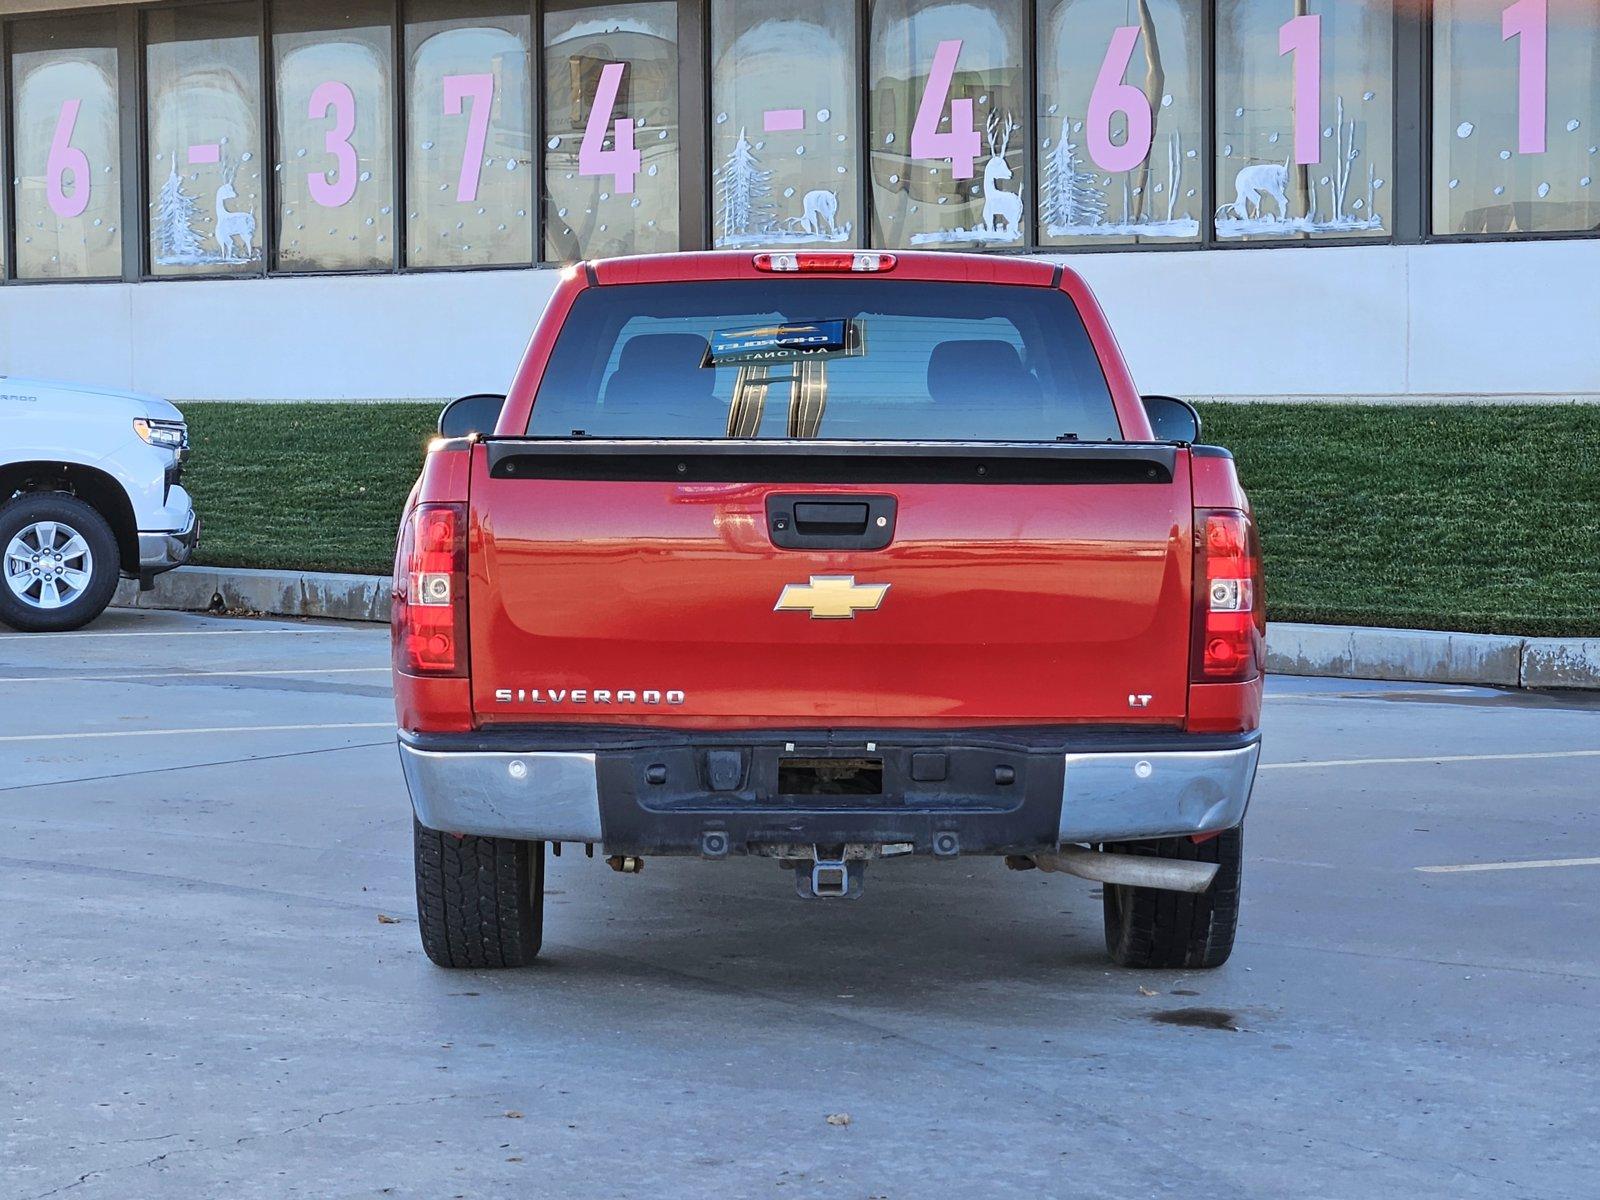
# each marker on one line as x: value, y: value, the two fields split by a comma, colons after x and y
x: 1066, y: 672
x: 587, y: 696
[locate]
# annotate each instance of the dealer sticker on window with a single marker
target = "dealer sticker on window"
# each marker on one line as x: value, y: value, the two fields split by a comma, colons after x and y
x: 786, y: 343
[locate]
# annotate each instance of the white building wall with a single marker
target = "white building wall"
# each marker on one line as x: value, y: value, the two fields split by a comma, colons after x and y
x: 1500, y: 321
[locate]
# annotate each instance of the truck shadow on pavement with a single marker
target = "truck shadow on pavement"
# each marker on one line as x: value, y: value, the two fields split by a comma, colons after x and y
x: 934, y: 938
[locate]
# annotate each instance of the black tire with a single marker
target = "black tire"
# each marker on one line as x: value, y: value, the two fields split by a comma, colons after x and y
x: 1146, y: 927
x: 32, y: 507
x: 480, y: 900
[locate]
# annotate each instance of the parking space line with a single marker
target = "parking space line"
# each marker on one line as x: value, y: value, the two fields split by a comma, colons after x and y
x: 151, y: 633
x: 1533, y: 865
x: 132, y: 733
x: 1420, y: 689
x: 1430, y: 759
x: 193, y: 675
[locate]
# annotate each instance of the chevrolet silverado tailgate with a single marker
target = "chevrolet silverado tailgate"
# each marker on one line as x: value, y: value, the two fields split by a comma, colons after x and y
x: 806, y: 584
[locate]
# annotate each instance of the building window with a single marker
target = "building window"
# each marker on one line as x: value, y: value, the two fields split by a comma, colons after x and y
x: 1516, y: 90
x: 5, y: 169
x: 470, y: 137
x: 951, y: 112
x: 1120, y: 129
x: 785, y: 141
x: 67, y: 170
x: 611, y: 130
x: 5, y: 200
x: 335, y: 146
x: 1305, y: 118
x: 203, y: 82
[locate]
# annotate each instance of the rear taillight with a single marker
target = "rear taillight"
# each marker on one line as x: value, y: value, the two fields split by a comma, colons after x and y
x: 1230, y: 620
x: 430, y: 592
x: 826, y: 262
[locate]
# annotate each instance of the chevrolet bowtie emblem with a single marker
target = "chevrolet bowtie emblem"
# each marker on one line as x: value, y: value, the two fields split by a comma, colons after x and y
x: 832, y: 597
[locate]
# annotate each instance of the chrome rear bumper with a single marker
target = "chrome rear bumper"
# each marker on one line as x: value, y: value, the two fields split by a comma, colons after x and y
x: 1140, y: 797
x: 550, y: 795
x: 544, y: 797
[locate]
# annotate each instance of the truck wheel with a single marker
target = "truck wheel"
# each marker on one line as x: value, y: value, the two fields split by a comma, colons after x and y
x: 60, y: 563
x: 1146, y: 927
x: 480, y: 900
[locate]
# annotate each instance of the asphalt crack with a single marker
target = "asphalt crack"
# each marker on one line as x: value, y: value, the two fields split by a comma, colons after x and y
x: 173, y: 769
x: 100, y: 1172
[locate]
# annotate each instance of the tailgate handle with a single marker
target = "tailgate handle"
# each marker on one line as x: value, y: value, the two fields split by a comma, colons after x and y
x: 852, y: 522
x: 822, y: 516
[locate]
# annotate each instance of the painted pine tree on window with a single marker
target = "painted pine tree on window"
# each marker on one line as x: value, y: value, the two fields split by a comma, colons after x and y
x: 1070, y: 196
x: 174, y: 222
x: 743, y: 189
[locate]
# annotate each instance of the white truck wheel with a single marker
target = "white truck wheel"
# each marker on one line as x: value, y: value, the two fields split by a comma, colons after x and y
x: 58, y: 563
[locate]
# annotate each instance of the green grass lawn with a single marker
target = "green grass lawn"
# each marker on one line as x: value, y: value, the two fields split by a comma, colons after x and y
x: 313, y: 486
x: 1446, y: 518
x: 1484, y: 519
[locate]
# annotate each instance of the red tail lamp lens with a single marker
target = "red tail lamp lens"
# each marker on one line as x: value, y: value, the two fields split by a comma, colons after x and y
x: 1230, y: 620
x: 430, y: 600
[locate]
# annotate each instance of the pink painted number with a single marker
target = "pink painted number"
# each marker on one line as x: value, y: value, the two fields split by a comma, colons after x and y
x: 480, y: 89
x: 1111, y: 95
x: 962, y: 144
x: 337, y: 98
x: 1529, y: 21
x: 783, y: 120
x: 1302, y: 37
x: 622, y: 160
x: 64, y: 157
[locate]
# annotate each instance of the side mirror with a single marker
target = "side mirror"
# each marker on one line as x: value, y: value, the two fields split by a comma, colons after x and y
x: 469, y: 415
x: 1172, y: 419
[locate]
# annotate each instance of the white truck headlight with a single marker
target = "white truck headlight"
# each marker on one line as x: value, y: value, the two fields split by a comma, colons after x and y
x: 169, y: 435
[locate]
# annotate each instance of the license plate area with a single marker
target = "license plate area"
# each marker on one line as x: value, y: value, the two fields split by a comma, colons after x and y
x: 810, y: 778
x: 668, y: 793
x: 795, y: 777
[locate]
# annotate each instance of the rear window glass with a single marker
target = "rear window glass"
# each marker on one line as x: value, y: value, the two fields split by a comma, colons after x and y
x: 825, y: 358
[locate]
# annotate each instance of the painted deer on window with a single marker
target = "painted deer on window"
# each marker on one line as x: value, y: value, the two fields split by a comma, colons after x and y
x: 998, y: 204
x: 230, y: 224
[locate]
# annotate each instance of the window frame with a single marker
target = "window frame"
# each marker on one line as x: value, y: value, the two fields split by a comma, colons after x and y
x: 694, y: 140
x: 397, y: 132
x: 8, y: 225
x: 1429, y: 237
x: 126, y: 46
x: 1414, y: 104
x: 267, y: 229
x: 535, y: 101
x: 1208, y: 167
x: 1030, y: 243
x: 1393, y: 237
x: 861, y: 15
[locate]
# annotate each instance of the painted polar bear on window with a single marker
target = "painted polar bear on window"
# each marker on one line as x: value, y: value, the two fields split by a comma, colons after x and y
x: 820, y: 206
x: 1253, y: 185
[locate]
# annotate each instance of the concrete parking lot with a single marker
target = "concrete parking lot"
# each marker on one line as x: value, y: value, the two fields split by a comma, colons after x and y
x: 211, y: 983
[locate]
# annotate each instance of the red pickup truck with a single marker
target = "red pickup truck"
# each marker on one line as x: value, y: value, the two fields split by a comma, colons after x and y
x: 828, y: 558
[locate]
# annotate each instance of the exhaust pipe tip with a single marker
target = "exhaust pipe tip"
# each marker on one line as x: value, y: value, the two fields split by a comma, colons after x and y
x: 1130, y: 870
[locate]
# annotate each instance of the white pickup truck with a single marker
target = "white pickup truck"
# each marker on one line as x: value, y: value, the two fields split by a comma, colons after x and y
x: 89, y: 492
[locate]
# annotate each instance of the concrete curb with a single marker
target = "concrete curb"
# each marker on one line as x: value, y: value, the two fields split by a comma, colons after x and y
x: 1413, y: 655
x: 281, y: 593
x: 1337, y: 651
